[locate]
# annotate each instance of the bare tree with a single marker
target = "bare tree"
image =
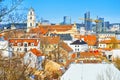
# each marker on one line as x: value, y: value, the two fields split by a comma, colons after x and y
x: 13, y: 69
x: 117, y: 63
x: 5, y: 9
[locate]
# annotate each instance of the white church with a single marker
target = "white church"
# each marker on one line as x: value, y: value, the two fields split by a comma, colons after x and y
x: 31, y: 19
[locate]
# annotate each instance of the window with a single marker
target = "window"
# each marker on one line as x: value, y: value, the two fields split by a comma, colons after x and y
x: 17, y: 49
x: 31, y: 18
x: 55, y: 46
x: 30, y: 13
x: 75, y: 49
x: 25, y: 44
x: 25, y: 49
x: 30, y: 54
x: 30, y: 24
x: 109, y: 56
x: 20, y: 49
x: 18, y: 44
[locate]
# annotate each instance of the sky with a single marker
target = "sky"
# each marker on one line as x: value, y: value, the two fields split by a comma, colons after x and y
x: 54, y: 10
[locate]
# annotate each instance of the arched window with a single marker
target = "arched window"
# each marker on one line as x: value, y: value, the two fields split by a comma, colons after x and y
x: 30, y: 13
x: 30, y: 24
x: 30, y: 18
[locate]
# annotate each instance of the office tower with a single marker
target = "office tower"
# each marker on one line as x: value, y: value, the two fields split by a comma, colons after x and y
x: 107, y: 25
x: 67, y: 20
x: 87, y: 21
x: 101, y: 25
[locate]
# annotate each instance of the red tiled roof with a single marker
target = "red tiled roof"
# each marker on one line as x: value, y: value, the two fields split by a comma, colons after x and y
x: 89, y: 54
x: 89, y: 39
x: 36, y: 52
x: 50, y: 40
x: 45, y: 28
x: 66, y: 47
x: 29, y: 41
x: 73, y: 55
x: 41, y: 30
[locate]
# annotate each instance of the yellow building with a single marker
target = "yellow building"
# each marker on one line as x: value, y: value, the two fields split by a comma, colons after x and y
x: 111, y: 43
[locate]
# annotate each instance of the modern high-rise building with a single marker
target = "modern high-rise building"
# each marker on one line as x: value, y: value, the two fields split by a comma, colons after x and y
x: 100, y: 25
x: 66, y: 20
x: 107, y: 25
x: 87, y: 21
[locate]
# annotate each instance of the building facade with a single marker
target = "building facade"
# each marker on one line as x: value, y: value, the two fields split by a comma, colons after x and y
x: 79, y: 46
x: 24, y: 45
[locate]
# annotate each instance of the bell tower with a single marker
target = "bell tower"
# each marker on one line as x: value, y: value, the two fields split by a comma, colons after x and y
x: 31, y: 19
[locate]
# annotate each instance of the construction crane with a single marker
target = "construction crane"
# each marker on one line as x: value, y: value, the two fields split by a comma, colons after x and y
x: 92, y: 20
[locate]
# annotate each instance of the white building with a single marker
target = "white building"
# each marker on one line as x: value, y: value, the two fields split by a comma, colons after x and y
x: 79, y: 46
x: 116, y: 53
x: 33, y: 58
x: 91, y: 72
x: 31, y: 19
x: 24, y: 44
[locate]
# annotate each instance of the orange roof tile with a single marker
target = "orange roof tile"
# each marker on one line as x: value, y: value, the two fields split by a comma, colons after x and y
x: 41, y: 30
x: 66, y: 47
x: 73, y: 55
x: 29, y: 41
x: 36, y: 52
x: 89, y: 39
x: 45, y: 28
x: 50, y: 40
x: 89, y: 54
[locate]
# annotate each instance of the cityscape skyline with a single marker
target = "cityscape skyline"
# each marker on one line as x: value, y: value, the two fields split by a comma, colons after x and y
x: 55, y: 10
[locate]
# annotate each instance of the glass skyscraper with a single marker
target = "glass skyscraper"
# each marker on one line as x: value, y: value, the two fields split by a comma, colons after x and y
x: 87, y: 21
x: 66, y: 20
x: 101, y: 26
x: 107, y: 25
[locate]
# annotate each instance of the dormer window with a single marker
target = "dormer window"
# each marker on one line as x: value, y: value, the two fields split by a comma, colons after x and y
x: 32, y: 44
x: 18, y: 44
x: 25, y: 44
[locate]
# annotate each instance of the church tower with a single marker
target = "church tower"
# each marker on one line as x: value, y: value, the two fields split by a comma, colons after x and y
x: 31, y: 20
